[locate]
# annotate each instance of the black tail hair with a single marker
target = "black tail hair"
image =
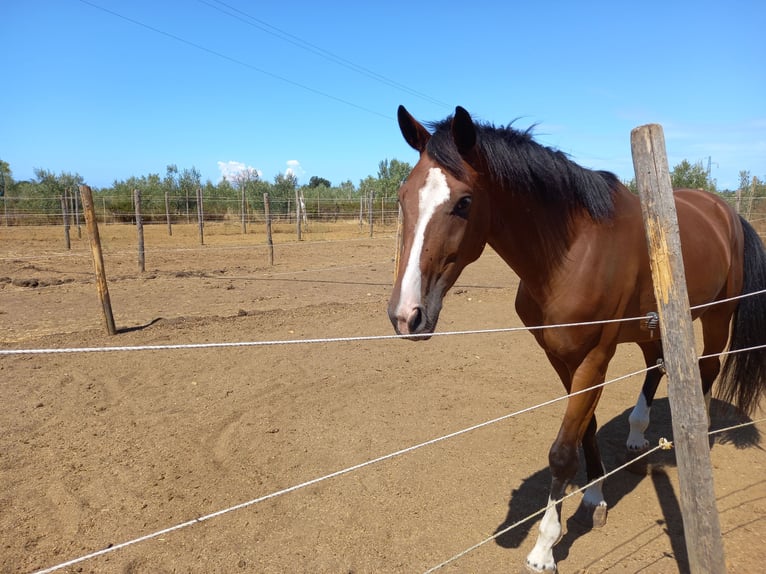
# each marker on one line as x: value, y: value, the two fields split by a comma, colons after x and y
x: 743, y: 377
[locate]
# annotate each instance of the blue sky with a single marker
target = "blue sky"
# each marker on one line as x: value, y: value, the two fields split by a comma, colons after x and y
x: 110, y: 89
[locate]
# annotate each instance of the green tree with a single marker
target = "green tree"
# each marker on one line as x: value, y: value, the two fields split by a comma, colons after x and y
x: 319, y: 181
x: 744, y: 182
x: 283, y: 192
x: 6, y: 178
x: 245, y: 181
x: 189, y: 180
x: 391, y: 174
x: 684, y: 175
x: 45, y: 193
x: 346, y: 189
x: 693, y: 176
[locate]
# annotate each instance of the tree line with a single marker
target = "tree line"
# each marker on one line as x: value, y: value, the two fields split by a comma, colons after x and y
x: 38, y: 200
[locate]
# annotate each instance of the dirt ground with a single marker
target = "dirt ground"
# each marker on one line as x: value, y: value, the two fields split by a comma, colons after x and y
x: 101, y: 448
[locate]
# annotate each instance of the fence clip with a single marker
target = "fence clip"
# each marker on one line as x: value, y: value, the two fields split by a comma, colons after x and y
x: 665, y: 444
x: 651, y: 321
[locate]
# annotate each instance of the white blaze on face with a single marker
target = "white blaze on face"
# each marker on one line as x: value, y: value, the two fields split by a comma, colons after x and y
x: 434, y: 193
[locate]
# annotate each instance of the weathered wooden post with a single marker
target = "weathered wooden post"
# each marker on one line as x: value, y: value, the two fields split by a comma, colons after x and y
x: 167, y: 214
x: 98, y: 257
x: 200, y: 217
x: 298, y: 213
x: 267, y: 215
x: 382, y: 211
x: 370, y: 209
x: 74, y: 211
x: 690, y: 423
x: 361, y: 209
x: 65, y: 214
x: 243, y: 211
x: 139, y: 230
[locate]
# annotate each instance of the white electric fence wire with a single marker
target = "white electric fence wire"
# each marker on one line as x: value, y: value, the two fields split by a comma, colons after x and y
x: 719, y: 301
x: 331, y: 475
x: 344, y: 339
x: 370, y: 462
x: 297, y: 341
x: 663, y: 445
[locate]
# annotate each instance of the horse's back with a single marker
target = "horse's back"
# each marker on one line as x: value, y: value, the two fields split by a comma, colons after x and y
x: 712, y: 245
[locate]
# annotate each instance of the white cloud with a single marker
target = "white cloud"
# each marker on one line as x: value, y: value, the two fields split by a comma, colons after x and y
x: 230, y: 169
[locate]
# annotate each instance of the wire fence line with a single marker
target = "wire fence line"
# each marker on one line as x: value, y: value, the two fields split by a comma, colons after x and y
x: 115, y: 547
x: 325, y: 340
x: 359, y: 466
x: 36, y: 210
x: 62, y: 210
x: 85, y: 251
x: 663, y: 444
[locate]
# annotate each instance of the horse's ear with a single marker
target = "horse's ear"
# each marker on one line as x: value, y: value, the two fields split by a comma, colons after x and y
x: 463, y: 131
x: 414, y: 133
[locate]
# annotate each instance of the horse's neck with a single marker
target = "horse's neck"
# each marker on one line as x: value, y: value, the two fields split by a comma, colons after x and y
x: 517, y: 236
x: 530, y: 270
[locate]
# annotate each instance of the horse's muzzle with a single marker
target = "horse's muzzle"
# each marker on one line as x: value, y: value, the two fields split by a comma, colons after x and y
x: 412, y: 322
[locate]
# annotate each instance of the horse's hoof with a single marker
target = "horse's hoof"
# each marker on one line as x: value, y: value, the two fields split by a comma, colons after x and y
x: 591, y: 516
x: 599, y: 515
x: 530, y: 569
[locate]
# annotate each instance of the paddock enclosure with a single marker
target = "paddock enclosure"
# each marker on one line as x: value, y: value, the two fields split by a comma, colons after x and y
x: 101, y: 448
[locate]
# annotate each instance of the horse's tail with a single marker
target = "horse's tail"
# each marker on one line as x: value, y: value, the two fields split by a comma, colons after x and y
x: 743, y: 377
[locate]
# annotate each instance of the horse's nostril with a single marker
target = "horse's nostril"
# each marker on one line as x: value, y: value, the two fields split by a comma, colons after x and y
x: 415, y: 320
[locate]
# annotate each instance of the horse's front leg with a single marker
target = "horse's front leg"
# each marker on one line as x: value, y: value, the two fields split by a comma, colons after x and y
x: 541, y: 559
x: 562, y: 458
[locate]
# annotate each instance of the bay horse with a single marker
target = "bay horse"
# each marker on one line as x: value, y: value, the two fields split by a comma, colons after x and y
x: 576, y: 240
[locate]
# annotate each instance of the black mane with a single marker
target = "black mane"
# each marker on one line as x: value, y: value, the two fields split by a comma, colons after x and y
x: 517, y: 163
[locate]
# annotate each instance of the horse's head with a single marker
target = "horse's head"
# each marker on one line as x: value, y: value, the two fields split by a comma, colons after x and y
x: 445, y: 220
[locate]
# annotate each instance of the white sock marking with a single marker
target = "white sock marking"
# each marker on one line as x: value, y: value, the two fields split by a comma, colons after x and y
x: 639, y: 422
x: 541, y: 557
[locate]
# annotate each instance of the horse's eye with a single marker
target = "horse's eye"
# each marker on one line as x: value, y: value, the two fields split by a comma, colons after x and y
x: 462, y: 207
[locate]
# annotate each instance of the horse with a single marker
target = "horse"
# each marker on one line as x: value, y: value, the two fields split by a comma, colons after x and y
x: 576, y: 240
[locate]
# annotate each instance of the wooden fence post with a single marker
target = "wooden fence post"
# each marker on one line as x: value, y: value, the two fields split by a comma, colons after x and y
x: 298, y: 214
x: 267, y: 215
x: 139, y: 230
x: 98, y: 258
x: 200, y: 217
x: 65, y: 214
x: 167, y: 214
x: 690, y: 424
x: 243, y: 211
x: 361, y: 210
x: 370, y: 209
x: 74, y: 211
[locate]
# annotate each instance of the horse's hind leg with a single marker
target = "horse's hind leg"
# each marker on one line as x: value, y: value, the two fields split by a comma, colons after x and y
x: 592, y: 510
x: 639, y: 417
x: 715, y: 334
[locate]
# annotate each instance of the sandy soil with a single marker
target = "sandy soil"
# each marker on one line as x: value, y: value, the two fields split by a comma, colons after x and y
x: 101, y: 448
